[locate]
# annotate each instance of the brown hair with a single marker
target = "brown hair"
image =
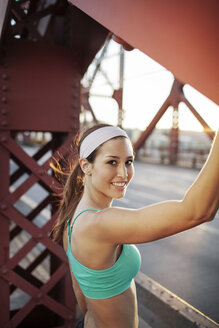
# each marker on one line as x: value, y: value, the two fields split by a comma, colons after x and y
x: 73, y: 188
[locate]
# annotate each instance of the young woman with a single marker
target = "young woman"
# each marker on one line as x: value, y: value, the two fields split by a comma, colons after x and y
x: 99, y: 238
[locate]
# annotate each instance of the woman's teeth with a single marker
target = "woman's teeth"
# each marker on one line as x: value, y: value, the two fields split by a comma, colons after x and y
x: 119, y: 184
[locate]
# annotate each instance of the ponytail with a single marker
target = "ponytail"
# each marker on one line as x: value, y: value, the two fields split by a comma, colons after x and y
x: 73, y: 188
x: 72, y: 193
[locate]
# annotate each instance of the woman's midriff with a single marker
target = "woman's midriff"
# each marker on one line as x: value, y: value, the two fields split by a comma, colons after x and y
x: 118, y: 312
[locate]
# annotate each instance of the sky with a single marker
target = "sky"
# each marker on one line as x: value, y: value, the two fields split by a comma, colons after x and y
x: 146, y: 86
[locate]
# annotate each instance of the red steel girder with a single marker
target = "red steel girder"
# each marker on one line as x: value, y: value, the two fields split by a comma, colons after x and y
x: 42, y: 170
x: 175, y: 97
x: 9, y: 146
x: 42, y: 151
x: 38, y: 294
x: 42, y: 83
x: 4, y: 240
x: 39, y: 235
x: 32, y: 243
x: 40, y: 91
x: 206, y: 127
x: 14, y: 232
x: 180, y: 35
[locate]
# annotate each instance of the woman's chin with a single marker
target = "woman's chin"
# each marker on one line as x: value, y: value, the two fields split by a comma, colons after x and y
x: 121, y: 195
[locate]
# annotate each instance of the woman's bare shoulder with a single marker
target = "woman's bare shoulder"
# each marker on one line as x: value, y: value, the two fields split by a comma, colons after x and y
x: 114, y: 212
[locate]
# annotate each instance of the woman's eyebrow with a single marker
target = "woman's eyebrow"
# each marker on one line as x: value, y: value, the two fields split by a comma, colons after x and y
x: 112, y: 156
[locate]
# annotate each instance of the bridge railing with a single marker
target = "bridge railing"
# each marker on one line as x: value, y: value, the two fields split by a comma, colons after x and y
x: 160, y: 308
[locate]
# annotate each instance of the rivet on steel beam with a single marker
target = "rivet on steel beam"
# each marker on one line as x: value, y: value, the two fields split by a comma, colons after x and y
x: 4, y: 88
x: 41, y: 171
x: 70, y: 317
x: 4, y: 139
x: 40, y: 236
x: 75, y: 116
x: 74, y: 126
x: 4, y: 100
x: 4, y: 270
x: 4, y: 123
x: 4, y: 76
x: 39, y: 295
x: 4, y: 111
x: 75, y: 84
x: 4, y: 207
x: 75, y: 106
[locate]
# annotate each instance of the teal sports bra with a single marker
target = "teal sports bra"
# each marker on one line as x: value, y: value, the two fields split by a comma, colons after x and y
x: 102, y: 284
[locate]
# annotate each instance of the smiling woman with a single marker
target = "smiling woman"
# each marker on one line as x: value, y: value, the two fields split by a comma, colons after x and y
x: 98, y: 238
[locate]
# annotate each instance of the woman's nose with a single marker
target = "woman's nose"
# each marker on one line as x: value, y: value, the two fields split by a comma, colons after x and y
x: 122, y: 171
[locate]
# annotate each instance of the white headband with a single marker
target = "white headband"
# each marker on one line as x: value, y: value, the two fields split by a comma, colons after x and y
x: 98, y: 137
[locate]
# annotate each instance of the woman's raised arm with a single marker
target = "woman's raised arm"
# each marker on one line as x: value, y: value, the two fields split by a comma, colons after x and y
x: 160, y: 220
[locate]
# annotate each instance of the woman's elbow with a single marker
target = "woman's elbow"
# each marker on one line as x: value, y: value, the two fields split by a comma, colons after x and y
x: 210, y: 215
x: 211, y: 210
x: 199, y: 213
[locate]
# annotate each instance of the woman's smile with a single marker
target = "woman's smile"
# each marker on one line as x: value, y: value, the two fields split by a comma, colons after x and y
x: 120, y: 185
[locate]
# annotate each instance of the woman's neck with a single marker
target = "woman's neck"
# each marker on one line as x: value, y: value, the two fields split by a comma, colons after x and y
x: 94, y: 200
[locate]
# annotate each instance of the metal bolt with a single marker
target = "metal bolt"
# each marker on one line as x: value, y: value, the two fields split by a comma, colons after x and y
x: 5, y: 76
x: 75, y: 106
x: 75, y: 114
x: 76, y: 84
x: 39, y: 295
x: 40, y: 236
x: 4, y: 123
x: 41, y: 171
x: 4, y: 100
x: 4, y: 111
x: 74, y: 126
x: 4, y: 270
x: 4, y: 88
x: 4, y: 139
x: 4, y: 207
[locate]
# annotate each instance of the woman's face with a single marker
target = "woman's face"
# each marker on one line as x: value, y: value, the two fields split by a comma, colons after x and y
x: 113, y: 168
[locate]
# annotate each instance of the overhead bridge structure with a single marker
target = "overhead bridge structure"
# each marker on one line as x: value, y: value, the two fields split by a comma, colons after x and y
x: 46, y: 47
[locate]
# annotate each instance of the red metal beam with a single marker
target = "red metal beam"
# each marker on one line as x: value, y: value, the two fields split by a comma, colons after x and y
x: 175, y: 97
x: 4, y: 240
x: 32, y: 92
x: 145, y: 134
x: 39, y: 295
x: 40, y: 91
x: 180, y: 35
x: 210, y: 133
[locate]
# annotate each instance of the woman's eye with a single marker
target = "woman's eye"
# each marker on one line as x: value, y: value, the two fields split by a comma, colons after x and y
x: 129, y: 162
x: 112, y: 162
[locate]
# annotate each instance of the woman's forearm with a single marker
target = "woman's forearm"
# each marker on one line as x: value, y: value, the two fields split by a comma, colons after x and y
x: 203, y: 196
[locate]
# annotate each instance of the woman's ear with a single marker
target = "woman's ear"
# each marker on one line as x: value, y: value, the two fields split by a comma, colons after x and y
x: 85, y: 166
